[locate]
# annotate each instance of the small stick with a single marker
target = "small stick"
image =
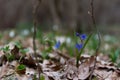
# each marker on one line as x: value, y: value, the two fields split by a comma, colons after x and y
x: 35, y: 9
x: 98, y: 34
x: 63, y: 55
x: 7, y: 75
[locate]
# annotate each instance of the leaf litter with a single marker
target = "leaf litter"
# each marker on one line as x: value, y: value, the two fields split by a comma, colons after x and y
x: 59, y: 66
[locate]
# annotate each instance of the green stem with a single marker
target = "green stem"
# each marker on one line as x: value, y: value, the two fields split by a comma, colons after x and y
x: 79, y: 54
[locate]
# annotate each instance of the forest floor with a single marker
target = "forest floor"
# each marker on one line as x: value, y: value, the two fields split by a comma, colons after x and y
x: 57, y: 61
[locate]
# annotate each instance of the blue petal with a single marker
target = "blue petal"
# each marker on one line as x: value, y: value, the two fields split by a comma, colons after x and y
x: 77, y: 34
x: 57, y: 45
x: 83, y: 36
x: 79, y: 46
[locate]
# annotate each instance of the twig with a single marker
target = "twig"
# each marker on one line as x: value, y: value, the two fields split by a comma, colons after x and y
x: 7, y: 75
x: 35, y: 9
x: 98, y: 34
x: 63, y: 55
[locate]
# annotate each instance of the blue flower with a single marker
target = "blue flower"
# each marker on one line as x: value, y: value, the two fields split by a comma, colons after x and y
x: 79, y: 46
x: 77, y: 34
x: 83, y: 36
x: 57, y: 45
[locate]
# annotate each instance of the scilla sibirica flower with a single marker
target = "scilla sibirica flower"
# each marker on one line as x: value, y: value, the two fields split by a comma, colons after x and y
x: 77, y: 34
x: 57, y: 45
x: 79, y: 46
x: 81, y: 36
